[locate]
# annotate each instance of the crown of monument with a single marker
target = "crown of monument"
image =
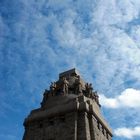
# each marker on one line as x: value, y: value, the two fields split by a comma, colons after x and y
x: 70, y: 82
x: 70, y: 110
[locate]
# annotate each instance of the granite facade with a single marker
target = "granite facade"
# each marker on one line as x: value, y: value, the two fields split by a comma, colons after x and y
x: 68, y: 114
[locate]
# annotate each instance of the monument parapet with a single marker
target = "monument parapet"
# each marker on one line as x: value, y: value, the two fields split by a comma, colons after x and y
x: 70, y: 82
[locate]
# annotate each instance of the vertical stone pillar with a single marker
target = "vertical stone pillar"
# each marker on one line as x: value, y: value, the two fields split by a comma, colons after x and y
x: 83, y: 132
x: 92, y: 125
x: 72, y: 124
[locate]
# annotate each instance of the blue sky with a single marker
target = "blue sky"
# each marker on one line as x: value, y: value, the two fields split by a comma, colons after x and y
x: 41, y: 38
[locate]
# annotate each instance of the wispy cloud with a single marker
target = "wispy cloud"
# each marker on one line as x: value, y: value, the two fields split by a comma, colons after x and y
x: 39, y: 39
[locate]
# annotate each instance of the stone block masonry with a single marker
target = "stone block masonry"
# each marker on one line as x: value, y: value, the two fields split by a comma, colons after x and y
x: 70, y: 110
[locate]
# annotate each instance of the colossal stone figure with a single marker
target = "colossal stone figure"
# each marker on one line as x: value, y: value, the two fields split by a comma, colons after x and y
x: 45, y: 97
x: 89, y: 89
x: 53, y: 88
x: 65, y: 86
x: 78, y: 86
x: 96, y: 97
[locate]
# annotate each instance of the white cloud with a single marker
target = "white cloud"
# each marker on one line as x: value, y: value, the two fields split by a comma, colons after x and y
x: 129, y: 133
x: 128, y: 98
x: 115, y: 12
x: 135, y: 34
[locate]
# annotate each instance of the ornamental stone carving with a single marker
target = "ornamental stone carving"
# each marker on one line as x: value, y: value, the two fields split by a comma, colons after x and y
x: 53, y: 88
x: 64, y: 86
x: 71, y: 83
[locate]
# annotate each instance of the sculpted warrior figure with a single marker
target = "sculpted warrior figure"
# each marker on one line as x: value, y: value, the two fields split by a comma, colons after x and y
x: 52, y: 88
x: 65, y: 84
x: 45, y: 96
x: 89, y: 89
x: 96, y: 97
x: 78, y: 88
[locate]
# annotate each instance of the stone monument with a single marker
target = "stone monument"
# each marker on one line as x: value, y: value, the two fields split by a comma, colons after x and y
x: 70, y: 110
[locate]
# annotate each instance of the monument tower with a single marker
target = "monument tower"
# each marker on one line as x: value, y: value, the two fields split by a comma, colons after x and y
x: 70, y: 110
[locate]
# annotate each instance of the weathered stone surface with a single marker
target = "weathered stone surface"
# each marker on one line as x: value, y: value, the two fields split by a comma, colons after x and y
x: 69, y: 116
